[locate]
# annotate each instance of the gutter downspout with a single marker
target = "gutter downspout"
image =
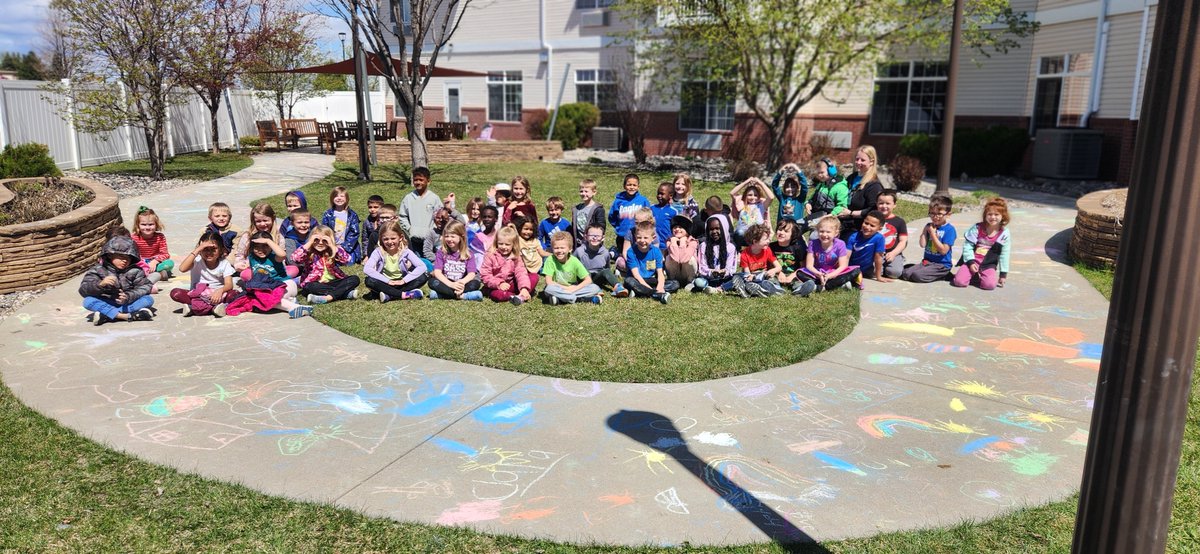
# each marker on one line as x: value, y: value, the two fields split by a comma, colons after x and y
x: 1141, y: 57
x: 547, y: 51
x: 1100, y: 48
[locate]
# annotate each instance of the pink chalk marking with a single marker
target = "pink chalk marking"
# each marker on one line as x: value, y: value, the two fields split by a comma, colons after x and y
x: 468, y: 512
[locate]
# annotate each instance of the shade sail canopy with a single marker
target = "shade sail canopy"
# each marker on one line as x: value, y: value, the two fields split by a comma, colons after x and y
x: 346, y: 67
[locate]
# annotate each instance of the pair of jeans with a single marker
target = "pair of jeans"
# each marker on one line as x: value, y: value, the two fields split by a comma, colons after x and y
x: 851, y: 274
x: 396, y: 292
x: 445, y: 292
x: 642, y: 290
x: 110, y: 310
x: 337, y: 288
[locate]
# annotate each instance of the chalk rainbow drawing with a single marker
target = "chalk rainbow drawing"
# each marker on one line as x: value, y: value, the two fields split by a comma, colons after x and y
x: 888, y: 359
x: 938, y: 348
x: 885, y: 425
x: 926, y: 328
x: 833, y: 462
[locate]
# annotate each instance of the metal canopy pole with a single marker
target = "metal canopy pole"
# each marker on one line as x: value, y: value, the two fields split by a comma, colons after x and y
x: 943, y: 180
x: 364, y: 169
x: 1154, y: 319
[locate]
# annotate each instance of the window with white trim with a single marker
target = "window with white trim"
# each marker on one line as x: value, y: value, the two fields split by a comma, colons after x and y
x: 597, y: 87
x: 590, y: 4
x: 1060, y: 98
x: 910, y: 97
x: 504, y: 96
x: 707, y: 105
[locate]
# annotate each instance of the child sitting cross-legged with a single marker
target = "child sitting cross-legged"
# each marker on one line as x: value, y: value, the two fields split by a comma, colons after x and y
x: 393, y: 271
x: 644, y: 261
x: 717, y: 256
x: 266, y: 285
x: 553, y: 223
x: 322, y: 258
x: 212, y: 277
x: 504, y: 276
x: 758, y: 265
x: 596, y: 258
x: 115, y: 289
x: 681, y: 260
x: 828, y: 260
x: 567, y: 281
x: 454, y: 273
x: 790, y: 250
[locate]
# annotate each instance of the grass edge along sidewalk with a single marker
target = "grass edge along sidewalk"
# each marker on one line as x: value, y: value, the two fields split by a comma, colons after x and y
x: 64, y: 493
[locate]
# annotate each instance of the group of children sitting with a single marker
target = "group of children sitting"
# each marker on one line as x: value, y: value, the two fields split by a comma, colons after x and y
x: 498, y: 248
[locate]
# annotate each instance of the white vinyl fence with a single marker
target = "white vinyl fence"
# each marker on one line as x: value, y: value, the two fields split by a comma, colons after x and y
x: 28, y: 114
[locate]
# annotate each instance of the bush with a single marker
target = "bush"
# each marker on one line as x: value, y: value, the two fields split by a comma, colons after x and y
x: 907, y: 172
x: 738, y: 162
x: 994, y: 150
x: 250, y: 142
x: 536, y: 122
x: 27, y: 160
x: 574, y: 123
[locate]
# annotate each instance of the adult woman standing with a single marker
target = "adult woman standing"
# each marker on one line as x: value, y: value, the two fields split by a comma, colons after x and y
x: 864, y: 190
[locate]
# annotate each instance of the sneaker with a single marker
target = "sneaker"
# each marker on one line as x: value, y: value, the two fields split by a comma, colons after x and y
x: 553, y: 300
x: 153, y: 289
x: 414, y: 295
x: 187, y: 310
x: 474, y: 296
x: 352, y: 294
x: 848, y: 286
x: 739, y: 286
x: 516, y: 301
x: 712, y: 290
x: 164, y: 275
x: 688, y: 287
x: 317, y: 299
x: 805, y: 288
x: 219, y: 310
x: 383, y: 298
x: 433, y: 295
x: 300, y: 311
x: 620, y: 291
x: 597, y: 299
x: 143, y: 314
x: 755, y: 289
x: 99, y: 319
x: 664, y: 297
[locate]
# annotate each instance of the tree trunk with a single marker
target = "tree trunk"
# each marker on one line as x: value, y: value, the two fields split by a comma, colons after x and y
x: 416, y: 136
x: 779, y: 128
x: 156, y: 149
x: 213, y: 102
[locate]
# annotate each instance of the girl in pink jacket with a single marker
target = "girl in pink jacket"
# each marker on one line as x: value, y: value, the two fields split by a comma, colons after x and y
x: 505, y: 278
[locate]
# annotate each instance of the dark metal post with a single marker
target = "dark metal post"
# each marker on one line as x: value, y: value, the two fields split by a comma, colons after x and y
x: 364, y: 169
x: 943, y: 179
x: 1154, y: 319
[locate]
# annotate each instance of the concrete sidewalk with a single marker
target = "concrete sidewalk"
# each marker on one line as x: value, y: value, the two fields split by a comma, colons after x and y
x: 942, y: 405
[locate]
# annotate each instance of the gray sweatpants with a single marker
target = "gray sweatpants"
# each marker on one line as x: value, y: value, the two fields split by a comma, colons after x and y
x: 893, y: 269
x: 925, y: 273
x: 586, y: 291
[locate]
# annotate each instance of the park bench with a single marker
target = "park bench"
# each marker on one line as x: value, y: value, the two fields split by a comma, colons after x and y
x: 303, y: 128
x: 328, y: 139
x: 269, y: 132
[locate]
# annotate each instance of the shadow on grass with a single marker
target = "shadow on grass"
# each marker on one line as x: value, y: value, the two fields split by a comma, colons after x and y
x: 657, y: 432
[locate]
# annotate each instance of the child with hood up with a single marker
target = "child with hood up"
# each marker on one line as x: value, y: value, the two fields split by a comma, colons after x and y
x: 717, y: 256
x: 115, y: 289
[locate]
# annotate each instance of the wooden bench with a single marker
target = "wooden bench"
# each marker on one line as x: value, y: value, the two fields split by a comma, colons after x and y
x: 303, y: 128
x: 269, y: 132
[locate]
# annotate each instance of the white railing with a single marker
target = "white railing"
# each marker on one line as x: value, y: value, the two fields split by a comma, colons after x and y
x: 28, y: 113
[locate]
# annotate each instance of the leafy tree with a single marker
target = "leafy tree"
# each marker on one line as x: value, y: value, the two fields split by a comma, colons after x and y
x: 221, y: 47
x: 333, y: 83
x: 126, y: 73
x: 56, y: 47
x: 420, y: 29
x: 290, y: 46
x: 778, y: 55
x: 28, y: 67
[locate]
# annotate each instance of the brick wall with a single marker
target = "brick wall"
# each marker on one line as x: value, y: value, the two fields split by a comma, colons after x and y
x: 48, y: 252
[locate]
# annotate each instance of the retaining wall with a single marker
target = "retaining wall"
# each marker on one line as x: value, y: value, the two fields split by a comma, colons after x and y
x: 50, y: 251
x: 1098, y: 224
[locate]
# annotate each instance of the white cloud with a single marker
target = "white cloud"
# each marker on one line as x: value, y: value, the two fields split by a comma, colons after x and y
x: 19, y: 25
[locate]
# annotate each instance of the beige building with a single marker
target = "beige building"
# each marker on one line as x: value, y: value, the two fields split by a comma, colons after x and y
x: 1085, y: 68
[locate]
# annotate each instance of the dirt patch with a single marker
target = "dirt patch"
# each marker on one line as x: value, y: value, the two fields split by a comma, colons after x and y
x: 38, y: 200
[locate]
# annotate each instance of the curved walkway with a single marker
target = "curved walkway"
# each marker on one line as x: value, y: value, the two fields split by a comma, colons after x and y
x: 942, y: 405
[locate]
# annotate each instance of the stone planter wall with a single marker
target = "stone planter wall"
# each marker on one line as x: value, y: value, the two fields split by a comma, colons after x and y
x: 48, y: 252
x: 1097, y: 235
x: 458, y: 151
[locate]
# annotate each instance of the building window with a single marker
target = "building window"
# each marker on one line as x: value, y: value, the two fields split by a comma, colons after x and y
x: 590, y: 4
x: 597, y: 87
x: 707, y: 105
x: 1060, y: 98
x: 910, y: 97
x: 504, y: 96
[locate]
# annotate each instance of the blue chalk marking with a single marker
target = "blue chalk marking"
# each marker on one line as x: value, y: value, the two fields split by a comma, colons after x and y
x: 433, y: 403
x: 977, y: 445
x: 503, y: 412
x: 453, y: 446
x: 286, y: 432
x: 838, y: 463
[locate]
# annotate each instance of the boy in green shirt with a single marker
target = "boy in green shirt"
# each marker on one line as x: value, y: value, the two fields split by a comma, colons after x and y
x: 566, y: 278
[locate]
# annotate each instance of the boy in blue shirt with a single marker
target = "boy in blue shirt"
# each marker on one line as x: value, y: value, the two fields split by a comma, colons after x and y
x: 645, y: 263
x: 627, y: 203
x: 867, y: 247
x: 663, y: 212
x: 791, y: 192
x: 937, y: 239
x: 553, y: 223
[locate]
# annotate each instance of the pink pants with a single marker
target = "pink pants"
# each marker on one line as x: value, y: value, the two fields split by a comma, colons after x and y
x: 505, y: 295
x: 986, y: 278
x: 197, y: 299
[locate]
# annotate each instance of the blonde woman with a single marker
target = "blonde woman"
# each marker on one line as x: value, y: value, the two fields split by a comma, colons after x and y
x: 864, y: 190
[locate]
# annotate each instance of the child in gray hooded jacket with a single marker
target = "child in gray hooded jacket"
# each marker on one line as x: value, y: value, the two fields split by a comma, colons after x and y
x: 115, y: 289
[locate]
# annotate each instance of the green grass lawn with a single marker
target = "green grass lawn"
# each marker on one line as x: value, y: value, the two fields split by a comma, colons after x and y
x: 578, y: 342
x: 200, y: 166
x: 64, y: 493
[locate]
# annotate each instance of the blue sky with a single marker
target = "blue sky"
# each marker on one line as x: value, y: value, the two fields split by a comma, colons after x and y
x: 19, y: 27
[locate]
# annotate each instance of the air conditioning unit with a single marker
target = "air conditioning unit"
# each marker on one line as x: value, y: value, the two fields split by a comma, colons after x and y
x: 606, y: 138
x: 704, y: 141
x: 1067, y: 153
x: 593, y: 18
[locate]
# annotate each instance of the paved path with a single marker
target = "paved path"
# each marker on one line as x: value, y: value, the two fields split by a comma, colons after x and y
x: 942, y: 405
